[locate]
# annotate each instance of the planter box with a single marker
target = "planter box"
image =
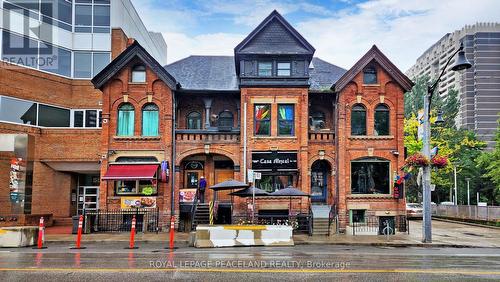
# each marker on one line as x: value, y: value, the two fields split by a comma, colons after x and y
x: 15, y: 237
x: 214, y: 236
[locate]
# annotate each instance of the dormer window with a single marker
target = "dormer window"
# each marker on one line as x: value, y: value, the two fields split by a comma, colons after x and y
x: 265, y: 68
x: 370, y: 75
x: 139, y: 74
x: 284, y: 69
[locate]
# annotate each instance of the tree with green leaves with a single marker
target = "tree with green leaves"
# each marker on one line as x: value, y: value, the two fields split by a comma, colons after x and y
x: 489, y: 162
x: 461, y: 146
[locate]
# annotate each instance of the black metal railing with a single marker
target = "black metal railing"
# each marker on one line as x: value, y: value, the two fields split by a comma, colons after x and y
x: 147, y: 220
x: 381, y: 225
x: 332, y: 219
x: 193, y: 210
x: 301, y: 223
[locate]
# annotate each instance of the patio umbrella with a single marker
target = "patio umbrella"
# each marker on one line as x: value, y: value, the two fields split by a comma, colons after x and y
x: 228, y: 185
x: 250, y: 192
x: 290, y: 192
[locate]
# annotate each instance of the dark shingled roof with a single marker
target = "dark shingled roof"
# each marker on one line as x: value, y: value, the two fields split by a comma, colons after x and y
x: 322, y: 75
x: 205, y: 73
x: 218, y: 73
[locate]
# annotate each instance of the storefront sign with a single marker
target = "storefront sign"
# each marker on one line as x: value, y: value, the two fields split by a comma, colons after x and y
x: 274, y: 160
x: 138, y: 202
x: 187, y: 195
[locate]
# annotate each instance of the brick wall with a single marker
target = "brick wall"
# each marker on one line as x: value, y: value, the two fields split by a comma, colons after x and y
x: 388, y: 92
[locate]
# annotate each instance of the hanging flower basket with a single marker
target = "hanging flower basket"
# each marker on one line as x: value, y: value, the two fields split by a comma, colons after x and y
x: 439, y: 161
x: 416, y: 160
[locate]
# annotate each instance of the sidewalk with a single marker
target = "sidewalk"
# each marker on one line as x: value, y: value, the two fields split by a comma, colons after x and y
x: 445, y: 234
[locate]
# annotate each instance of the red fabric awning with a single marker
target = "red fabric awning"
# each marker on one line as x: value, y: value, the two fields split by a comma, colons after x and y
x: 131, y: 172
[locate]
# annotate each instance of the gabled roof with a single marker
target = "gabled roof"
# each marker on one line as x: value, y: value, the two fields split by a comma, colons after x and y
x: 274, y: 35
x: 205, y: 73
x: 374, y: 54
x: 135, y: 50
x: 322, y: 75
x: 209, y: 73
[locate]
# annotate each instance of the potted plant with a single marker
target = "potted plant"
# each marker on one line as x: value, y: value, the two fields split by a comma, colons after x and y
x: 439, y: 161
x: 416, y: 160
x: 147, y: 191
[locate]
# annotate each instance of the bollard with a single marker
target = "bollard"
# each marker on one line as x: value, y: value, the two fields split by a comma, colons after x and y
x: 79, y: 235
x: 132, y: 235
x: 172, y: 230
x: 41, y: 234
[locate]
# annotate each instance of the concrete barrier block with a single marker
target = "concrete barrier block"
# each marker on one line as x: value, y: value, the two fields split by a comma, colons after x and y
x: 213, y: 236
x: 19, y: 236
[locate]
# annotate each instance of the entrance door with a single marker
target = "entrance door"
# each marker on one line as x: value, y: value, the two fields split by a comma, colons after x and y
x: 319, y: 181
x: 220, y: 176
x: 88, y: 198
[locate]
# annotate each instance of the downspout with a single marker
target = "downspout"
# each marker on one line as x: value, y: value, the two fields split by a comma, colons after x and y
x: 174, y: 173
x: 336, y: 120
x: 245, y: 142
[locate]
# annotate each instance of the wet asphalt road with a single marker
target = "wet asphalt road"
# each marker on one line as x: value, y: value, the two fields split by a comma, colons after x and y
x: 111, y: 262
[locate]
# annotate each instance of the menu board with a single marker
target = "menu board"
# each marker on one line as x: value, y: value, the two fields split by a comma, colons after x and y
x: 138, y: 202
x: 187, y: 195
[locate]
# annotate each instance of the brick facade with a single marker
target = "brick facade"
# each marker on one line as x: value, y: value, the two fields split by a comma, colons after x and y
x: 220, y: 151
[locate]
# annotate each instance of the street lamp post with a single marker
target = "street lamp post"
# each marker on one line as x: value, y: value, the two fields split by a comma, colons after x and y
x: 460, y: 64
x: 468, y: 191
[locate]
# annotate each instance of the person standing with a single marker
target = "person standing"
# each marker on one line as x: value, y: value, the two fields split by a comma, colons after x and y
x: 201, y: 189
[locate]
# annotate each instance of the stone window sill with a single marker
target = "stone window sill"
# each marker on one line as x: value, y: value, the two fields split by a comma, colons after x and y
x: 368, y: 196
x: 141, y: 138
x: 371, y: 137
x: 274, y: 137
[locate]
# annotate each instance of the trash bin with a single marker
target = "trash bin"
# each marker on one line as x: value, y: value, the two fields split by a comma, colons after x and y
x: 75, y: 220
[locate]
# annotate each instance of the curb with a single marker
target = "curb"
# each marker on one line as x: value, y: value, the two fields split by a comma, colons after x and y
x: 389, y: 244
x: 465, y: 223
x: 185, y: 243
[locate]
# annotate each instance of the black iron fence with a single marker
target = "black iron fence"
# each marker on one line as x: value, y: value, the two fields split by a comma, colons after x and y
x: 147, y: 220
x: 301, y: 223
x: 381, y: 225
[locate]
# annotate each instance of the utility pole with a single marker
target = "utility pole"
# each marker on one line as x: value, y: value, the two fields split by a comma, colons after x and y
x: 468, y: 191
x: 456, y: 195
x: 461, y: 63
x: 426, y: 177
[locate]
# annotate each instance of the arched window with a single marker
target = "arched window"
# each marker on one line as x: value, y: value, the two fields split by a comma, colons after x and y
x: 125, y: 126
x: 139, y: 74
x: 358, y: 120
x: 150, y: 120
x: 194, y: 120
x: 370, y: 75
x: 225, y: 120
x: 382, y: 120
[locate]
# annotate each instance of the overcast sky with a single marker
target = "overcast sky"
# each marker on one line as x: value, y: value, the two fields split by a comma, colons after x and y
x: 340, y: 30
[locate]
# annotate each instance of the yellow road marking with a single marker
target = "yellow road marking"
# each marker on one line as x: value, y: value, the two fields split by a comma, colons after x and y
x: 245, y: 227
x: 238, y: 270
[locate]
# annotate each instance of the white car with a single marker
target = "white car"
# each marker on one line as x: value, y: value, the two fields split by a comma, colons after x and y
x: 414, y: 210
x: 447, y: 203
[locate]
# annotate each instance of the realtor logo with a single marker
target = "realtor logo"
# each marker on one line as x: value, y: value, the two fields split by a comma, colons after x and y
x: 26, y: 29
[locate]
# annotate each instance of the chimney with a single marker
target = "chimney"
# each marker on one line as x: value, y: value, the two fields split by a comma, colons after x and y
x: 130, y: 41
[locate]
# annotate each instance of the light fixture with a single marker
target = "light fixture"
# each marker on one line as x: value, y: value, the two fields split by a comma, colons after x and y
x: 207, y: 149
x: 439, y: 119
x: 461, y: 63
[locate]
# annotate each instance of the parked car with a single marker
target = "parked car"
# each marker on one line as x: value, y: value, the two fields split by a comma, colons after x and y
x: 414, y: 210
x: 447, y: 203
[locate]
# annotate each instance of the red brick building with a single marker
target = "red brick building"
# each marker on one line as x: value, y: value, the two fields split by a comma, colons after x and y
x: 272, y: 108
